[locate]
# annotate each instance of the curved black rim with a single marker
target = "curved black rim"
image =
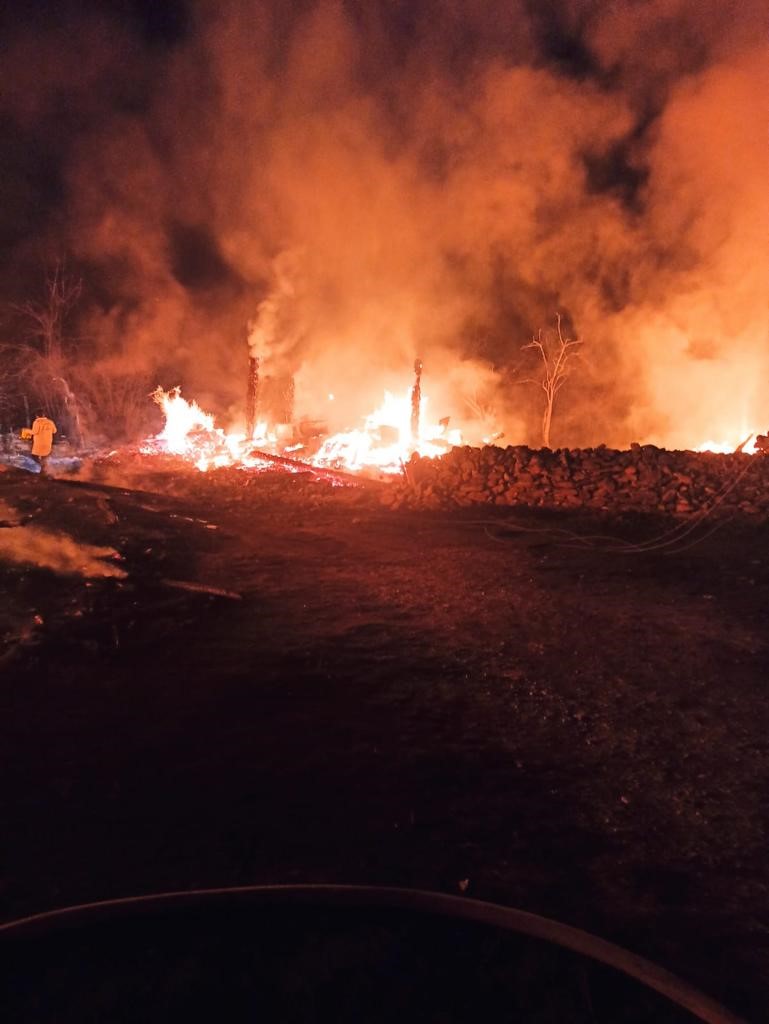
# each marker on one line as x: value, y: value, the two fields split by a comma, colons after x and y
x: 365, y: 896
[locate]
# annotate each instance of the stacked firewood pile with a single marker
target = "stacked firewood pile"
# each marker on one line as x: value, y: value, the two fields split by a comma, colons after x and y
x: 645, y: 478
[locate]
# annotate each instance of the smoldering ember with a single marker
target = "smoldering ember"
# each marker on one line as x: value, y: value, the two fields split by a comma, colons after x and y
x: 384, y: 503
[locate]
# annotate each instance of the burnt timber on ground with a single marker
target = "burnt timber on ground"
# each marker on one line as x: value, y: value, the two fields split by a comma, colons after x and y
x: 406, y: 698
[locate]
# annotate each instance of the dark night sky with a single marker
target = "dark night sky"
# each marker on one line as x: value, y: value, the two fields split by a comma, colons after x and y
x: 36, y: 142
x: 377, y: 178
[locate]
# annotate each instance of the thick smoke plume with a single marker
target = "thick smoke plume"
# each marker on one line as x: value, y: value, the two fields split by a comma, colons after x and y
x: 273, y: 334
x: 343, y: 186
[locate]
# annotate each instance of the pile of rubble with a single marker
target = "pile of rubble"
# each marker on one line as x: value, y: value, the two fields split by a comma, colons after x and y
x: 645, y: 478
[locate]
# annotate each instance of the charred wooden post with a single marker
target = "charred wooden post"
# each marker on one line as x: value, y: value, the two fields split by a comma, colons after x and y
x: 252, y: 395
x: 289, y: 395
x: 416, y: 400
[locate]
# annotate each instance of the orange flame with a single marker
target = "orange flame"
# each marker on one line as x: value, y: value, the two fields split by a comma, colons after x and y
x: 746, y: 444
x: 386, y: 440
x: 384, y: 443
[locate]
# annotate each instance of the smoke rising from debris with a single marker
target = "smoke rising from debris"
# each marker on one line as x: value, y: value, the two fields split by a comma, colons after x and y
x: 273, y: 334
x: 364, y: 183
x: 45, y: 549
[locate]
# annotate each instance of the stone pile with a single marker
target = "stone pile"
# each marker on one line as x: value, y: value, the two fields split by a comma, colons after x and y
x: 644, y: 478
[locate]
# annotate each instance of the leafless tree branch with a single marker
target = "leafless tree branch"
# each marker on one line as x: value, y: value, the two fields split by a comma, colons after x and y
x: 46, y: 318
x: 556, y: 354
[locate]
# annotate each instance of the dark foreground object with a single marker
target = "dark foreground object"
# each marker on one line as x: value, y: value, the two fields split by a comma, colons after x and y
x: 324, y: 954
x: 561, y: 712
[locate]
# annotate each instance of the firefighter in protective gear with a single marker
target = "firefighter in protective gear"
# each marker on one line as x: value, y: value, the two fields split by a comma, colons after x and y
x: 43, y: 430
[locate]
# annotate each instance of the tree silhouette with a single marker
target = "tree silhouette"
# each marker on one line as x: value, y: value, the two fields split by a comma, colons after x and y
x: 556, y: 355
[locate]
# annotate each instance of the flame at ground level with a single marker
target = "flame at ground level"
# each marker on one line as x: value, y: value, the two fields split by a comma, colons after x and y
x: 384, y: 442
x: 746, y: 443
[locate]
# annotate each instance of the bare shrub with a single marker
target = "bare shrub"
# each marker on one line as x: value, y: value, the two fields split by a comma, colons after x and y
x: 116, y: 405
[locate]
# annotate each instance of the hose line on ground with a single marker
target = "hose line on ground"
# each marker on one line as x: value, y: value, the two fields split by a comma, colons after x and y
x: 377, y: 897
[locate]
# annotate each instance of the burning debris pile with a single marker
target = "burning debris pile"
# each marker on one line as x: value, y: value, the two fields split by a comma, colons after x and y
x: 645, y: 478
x: 387, y: 438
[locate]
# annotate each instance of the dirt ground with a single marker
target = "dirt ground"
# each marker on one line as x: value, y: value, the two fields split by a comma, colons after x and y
x: 462, y: 702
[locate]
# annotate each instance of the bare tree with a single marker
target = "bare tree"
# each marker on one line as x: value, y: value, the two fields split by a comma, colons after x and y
x: 114, y: 403
x: 556, y: 353
x: 42, y: 357
x: 47, y: 317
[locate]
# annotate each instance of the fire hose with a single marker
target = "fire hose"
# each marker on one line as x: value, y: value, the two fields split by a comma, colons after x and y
x: 495, y: 915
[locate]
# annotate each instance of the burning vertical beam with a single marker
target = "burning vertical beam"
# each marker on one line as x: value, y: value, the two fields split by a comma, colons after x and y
x: 252, y: 395
x: 289, y: 394
x: 416, y: 400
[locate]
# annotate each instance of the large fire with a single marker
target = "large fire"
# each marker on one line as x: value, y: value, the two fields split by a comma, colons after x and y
x: 383, y: 444
x: 190, y: 432
x: 386, y: 440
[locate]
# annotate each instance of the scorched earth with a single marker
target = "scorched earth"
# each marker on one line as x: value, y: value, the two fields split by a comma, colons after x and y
x: 284, y: 681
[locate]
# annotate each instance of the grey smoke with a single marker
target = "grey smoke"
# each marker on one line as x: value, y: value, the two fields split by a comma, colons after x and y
x: 48, y: 549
